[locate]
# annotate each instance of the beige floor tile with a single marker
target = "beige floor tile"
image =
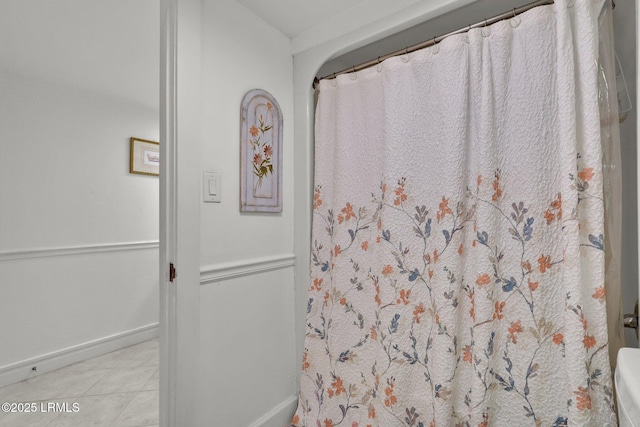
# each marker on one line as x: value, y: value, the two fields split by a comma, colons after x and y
x: 52, y: 385
x: 41, y: 417
x: 143, y: 410
x: 122, y: 380
x: 120, y: 385
x: 97, y: 411
x: 129, y: 357
x: 154, y: 382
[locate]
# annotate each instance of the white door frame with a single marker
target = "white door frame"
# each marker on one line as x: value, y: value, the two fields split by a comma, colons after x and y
x: 180, y: 110
x: 167, y: 214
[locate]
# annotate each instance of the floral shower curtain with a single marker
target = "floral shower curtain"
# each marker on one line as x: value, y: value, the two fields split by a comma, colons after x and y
x: 457, y: 252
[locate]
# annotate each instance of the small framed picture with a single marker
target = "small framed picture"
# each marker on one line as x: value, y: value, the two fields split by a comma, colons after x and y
x: 144, y: 157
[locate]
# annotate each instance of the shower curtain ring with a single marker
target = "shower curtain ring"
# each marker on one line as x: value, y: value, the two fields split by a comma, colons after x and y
x: 378, y: 59
x: 515, y: 21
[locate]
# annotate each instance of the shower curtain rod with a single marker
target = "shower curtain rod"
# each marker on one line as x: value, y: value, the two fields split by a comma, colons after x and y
x: 516, y: 11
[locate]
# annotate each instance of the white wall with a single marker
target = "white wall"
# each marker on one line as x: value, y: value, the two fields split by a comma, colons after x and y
x: 78, y: 232
x: 247, y: 353
x: 624, y: 24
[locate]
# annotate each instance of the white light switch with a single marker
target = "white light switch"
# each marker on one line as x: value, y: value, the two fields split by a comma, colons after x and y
x: 211, y: 186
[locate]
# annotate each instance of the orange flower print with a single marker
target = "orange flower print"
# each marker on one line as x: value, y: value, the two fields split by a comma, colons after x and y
x: 348, y: 212
x: 599, y: 294
x: 472, y: 310
x: 387, y: 269
x: 583, y: 400
x: 483, y: 279
x: 557, y: 205
x: 390, y: 400
x: 372, y: 411
x: 343, y: 301
x: 378, y: 301
x: 328, y: 422
x: 336, y: 250
x: 317, y: 201
x: 296, y: 419
x: 526, y: 266
x: 467, y: 356
x: 588, y: 341
x: 555, y: 210
x: 317, y: 284
x: 374, y: 333
x: 268, y: 150
x: 400, y: 196
x: 435, y: 256
x: 497, y: 191
x: 497, y: 311
x: 516, y: 327
x: 586, y: 174
x: 533, y: 285
x: 479, y: 180
x: 305, y: 363
x: 365, y: 245
x: 444, y: 209
x: 404, y: 297
x: 430, y: 273
x: 269, y: 105
x: 549, y: 216
x: 419, y: 309
x: 544, y: 263
x: 340, y: 218
x: 257, y: 158
x: 460, y: 249
x: 326, y: 298
x: 254, y: 131
x: 336, y: 387
x: 558, y: 338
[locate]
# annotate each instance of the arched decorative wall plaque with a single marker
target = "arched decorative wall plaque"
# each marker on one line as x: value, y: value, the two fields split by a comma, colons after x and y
x: 260, y: 153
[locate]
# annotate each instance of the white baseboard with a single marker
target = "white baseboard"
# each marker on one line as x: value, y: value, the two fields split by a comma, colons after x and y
x: 280, y: 416
x: 19, y: 371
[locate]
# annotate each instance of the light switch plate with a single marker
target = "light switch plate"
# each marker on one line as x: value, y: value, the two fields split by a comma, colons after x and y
x: 211, y: 187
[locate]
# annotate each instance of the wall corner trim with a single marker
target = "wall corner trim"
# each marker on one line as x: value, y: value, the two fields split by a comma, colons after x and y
x: 76, y: 250
x: 225, y: 271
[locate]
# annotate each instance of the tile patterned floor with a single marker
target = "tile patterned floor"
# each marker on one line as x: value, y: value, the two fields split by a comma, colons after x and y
x: 118, y: 389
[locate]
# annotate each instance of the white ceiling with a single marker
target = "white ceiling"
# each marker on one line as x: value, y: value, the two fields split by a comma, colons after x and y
x: 293, y: 17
